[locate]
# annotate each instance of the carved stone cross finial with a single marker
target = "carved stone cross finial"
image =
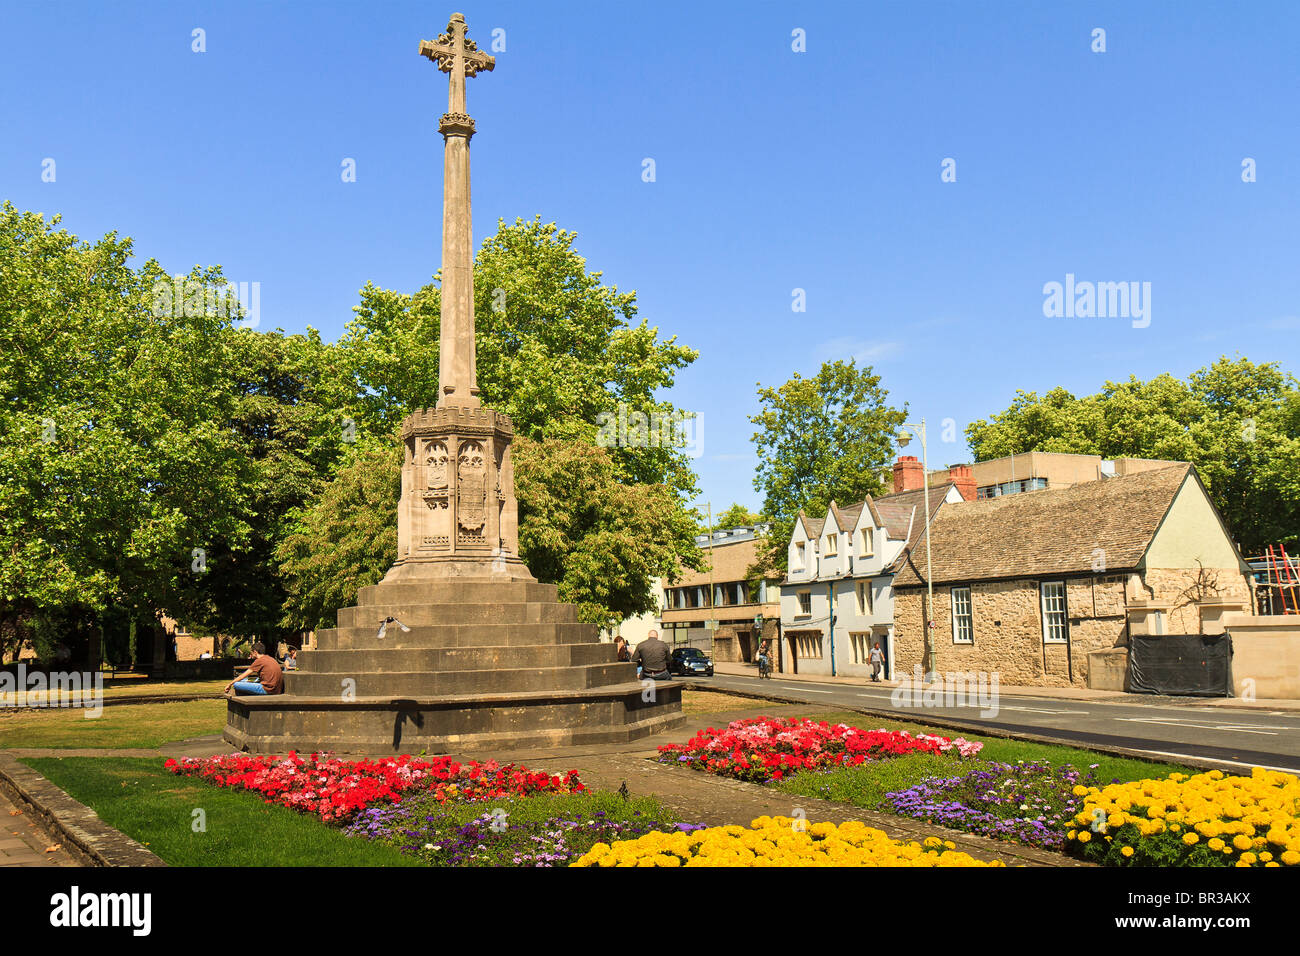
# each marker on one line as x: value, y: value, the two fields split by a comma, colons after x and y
x: 458, y: 55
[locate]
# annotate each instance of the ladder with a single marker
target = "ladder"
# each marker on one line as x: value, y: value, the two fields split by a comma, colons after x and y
x: 1283, y: 578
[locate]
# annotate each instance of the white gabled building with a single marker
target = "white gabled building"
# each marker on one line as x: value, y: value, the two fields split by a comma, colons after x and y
x: 845, y: 562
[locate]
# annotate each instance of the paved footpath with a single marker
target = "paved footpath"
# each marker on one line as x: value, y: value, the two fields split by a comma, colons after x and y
x: 23, y: 843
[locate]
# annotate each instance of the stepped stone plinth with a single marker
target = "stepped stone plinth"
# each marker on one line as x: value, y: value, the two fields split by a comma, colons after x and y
x: 486, y: 665
x: 478, y: 655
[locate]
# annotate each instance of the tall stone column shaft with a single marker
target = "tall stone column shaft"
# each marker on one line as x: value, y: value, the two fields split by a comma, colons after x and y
x: 457, y: 380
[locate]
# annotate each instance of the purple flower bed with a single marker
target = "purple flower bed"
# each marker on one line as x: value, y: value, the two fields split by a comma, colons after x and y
x: 502, y: 836
x: 1030, y: 803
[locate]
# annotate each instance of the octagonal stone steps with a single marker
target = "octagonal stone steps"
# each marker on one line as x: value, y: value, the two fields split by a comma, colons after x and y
x: 409, y: 683
x: 392, y: 660
x: 454, y: 635
x: 485, y: 664
x: 424, y: 613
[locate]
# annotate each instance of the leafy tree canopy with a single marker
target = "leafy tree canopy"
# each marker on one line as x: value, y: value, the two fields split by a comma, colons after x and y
x: 829, y: 437
x: 556, y: 348
x: 116, y: 456
x: 1237, y: 421
x: 737, y: 516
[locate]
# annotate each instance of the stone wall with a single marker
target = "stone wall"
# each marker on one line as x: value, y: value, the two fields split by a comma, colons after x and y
x: 1183, y: 587
x: 1265, y: 656
x: 189, y: 647
x: 1008, y: 631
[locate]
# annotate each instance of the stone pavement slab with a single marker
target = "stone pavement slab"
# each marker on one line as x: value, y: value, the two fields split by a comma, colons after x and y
x: 24, y: 843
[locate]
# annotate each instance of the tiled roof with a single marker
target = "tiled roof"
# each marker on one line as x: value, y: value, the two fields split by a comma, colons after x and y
x: 1047, y: 532
x: 914, y: 500
x: 812, y: 526
x: 848, y: 517
x: 896, y: 518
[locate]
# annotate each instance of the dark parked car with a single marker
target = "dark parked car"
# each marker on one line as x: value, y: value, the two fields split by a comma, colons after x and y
x: 690, y: 662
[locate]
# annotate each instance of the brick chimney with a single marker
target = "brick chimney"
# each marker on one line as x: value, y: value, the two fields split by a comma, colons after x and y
x: 961, y: 476
x: 908, y: 474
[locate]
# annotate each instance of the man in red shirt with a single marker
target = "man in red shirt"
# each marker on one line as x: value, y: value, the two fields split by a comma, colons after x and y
x: 270, y: 678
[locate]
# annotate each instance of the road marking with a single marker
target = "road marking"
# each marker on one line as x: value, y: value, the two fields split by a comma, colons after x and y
x: 1235, y: 763
x: 1267, y: 730
x: 1036, y: 710
x: 806, y: 690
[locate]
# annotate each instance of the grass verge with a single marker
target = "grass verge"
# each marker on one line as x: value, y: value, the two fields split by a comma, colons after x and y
x: 122, y: 727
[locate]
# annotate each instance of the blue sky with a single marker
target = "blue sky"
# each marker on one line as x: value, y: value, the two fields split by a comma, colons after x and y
x: 775, y: 170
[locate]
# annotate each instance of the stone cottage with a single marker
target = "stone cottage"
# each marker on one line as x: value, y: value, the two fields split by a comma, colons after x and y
x: 1046, y: 587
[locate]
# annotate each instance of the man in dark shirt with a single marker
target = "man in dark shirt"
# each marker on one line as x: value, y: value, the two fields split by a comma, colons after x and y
x: 653, y: 655
x: 264, y: 667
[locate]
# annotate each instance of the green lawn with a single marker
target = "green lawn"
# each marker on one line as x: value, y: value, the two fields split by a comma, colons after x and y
x: 121, y: 726
x: 140, y: 798
x: 135, y: 687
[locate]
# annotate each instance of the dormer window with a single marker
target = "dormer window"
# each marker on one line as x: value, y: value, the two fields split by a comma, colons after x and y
x: 867, y: 547
x: 831, y: 543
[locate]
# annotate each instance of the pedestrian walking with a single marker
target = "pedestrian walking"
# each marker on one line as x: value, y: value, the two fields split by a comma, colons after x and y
x: 877, y: 661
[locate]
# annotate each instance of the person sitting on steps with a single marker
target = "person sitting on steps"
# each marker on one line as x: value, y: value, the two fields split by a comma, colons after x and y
x: 270, y: 678
x: 653, y: 655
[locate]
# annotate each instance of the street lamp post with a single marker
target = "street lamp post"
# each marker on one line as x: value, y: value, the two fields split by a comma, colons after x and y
x: 903, y: 440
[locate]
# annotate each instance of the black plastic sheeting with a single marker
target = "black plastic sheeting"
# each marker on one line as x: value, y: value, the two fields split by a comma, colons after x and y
x: 1180, y: 665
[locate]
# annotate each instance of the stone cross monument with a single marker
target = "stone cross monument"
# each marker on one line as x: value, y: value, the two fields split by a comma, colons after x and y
x: 458, y: 516
x: 481, y: 656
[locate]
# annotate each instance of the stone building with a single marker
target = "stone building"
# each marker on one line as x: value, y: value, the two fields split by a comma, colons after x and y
x: 1046, y: 588
x: 837, y: 598
x: 721, y: 593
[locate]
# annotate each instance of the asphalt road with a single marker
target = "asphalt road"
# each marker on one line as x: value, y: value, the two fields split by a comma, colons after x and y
x: 1157, y: 726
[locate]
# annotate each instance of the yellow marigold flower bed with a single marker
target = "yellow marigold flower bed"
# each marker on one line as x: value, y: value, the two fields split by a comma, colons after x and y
x: 1210, y: 819
x: 778, y: 841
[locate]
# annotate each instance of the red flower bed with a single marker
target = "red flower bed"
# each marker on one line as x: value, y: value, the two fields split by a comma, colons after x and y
x: 769, y: 748
x: 335, y: 789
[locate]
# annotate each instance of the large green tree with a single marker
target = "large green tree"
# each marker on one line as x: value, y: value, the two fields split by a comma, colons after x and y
x: 116, y: 455
x: 829, y: 437
x: 155, y: 457
x: 1236, y: 420
x: 285, y: 414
